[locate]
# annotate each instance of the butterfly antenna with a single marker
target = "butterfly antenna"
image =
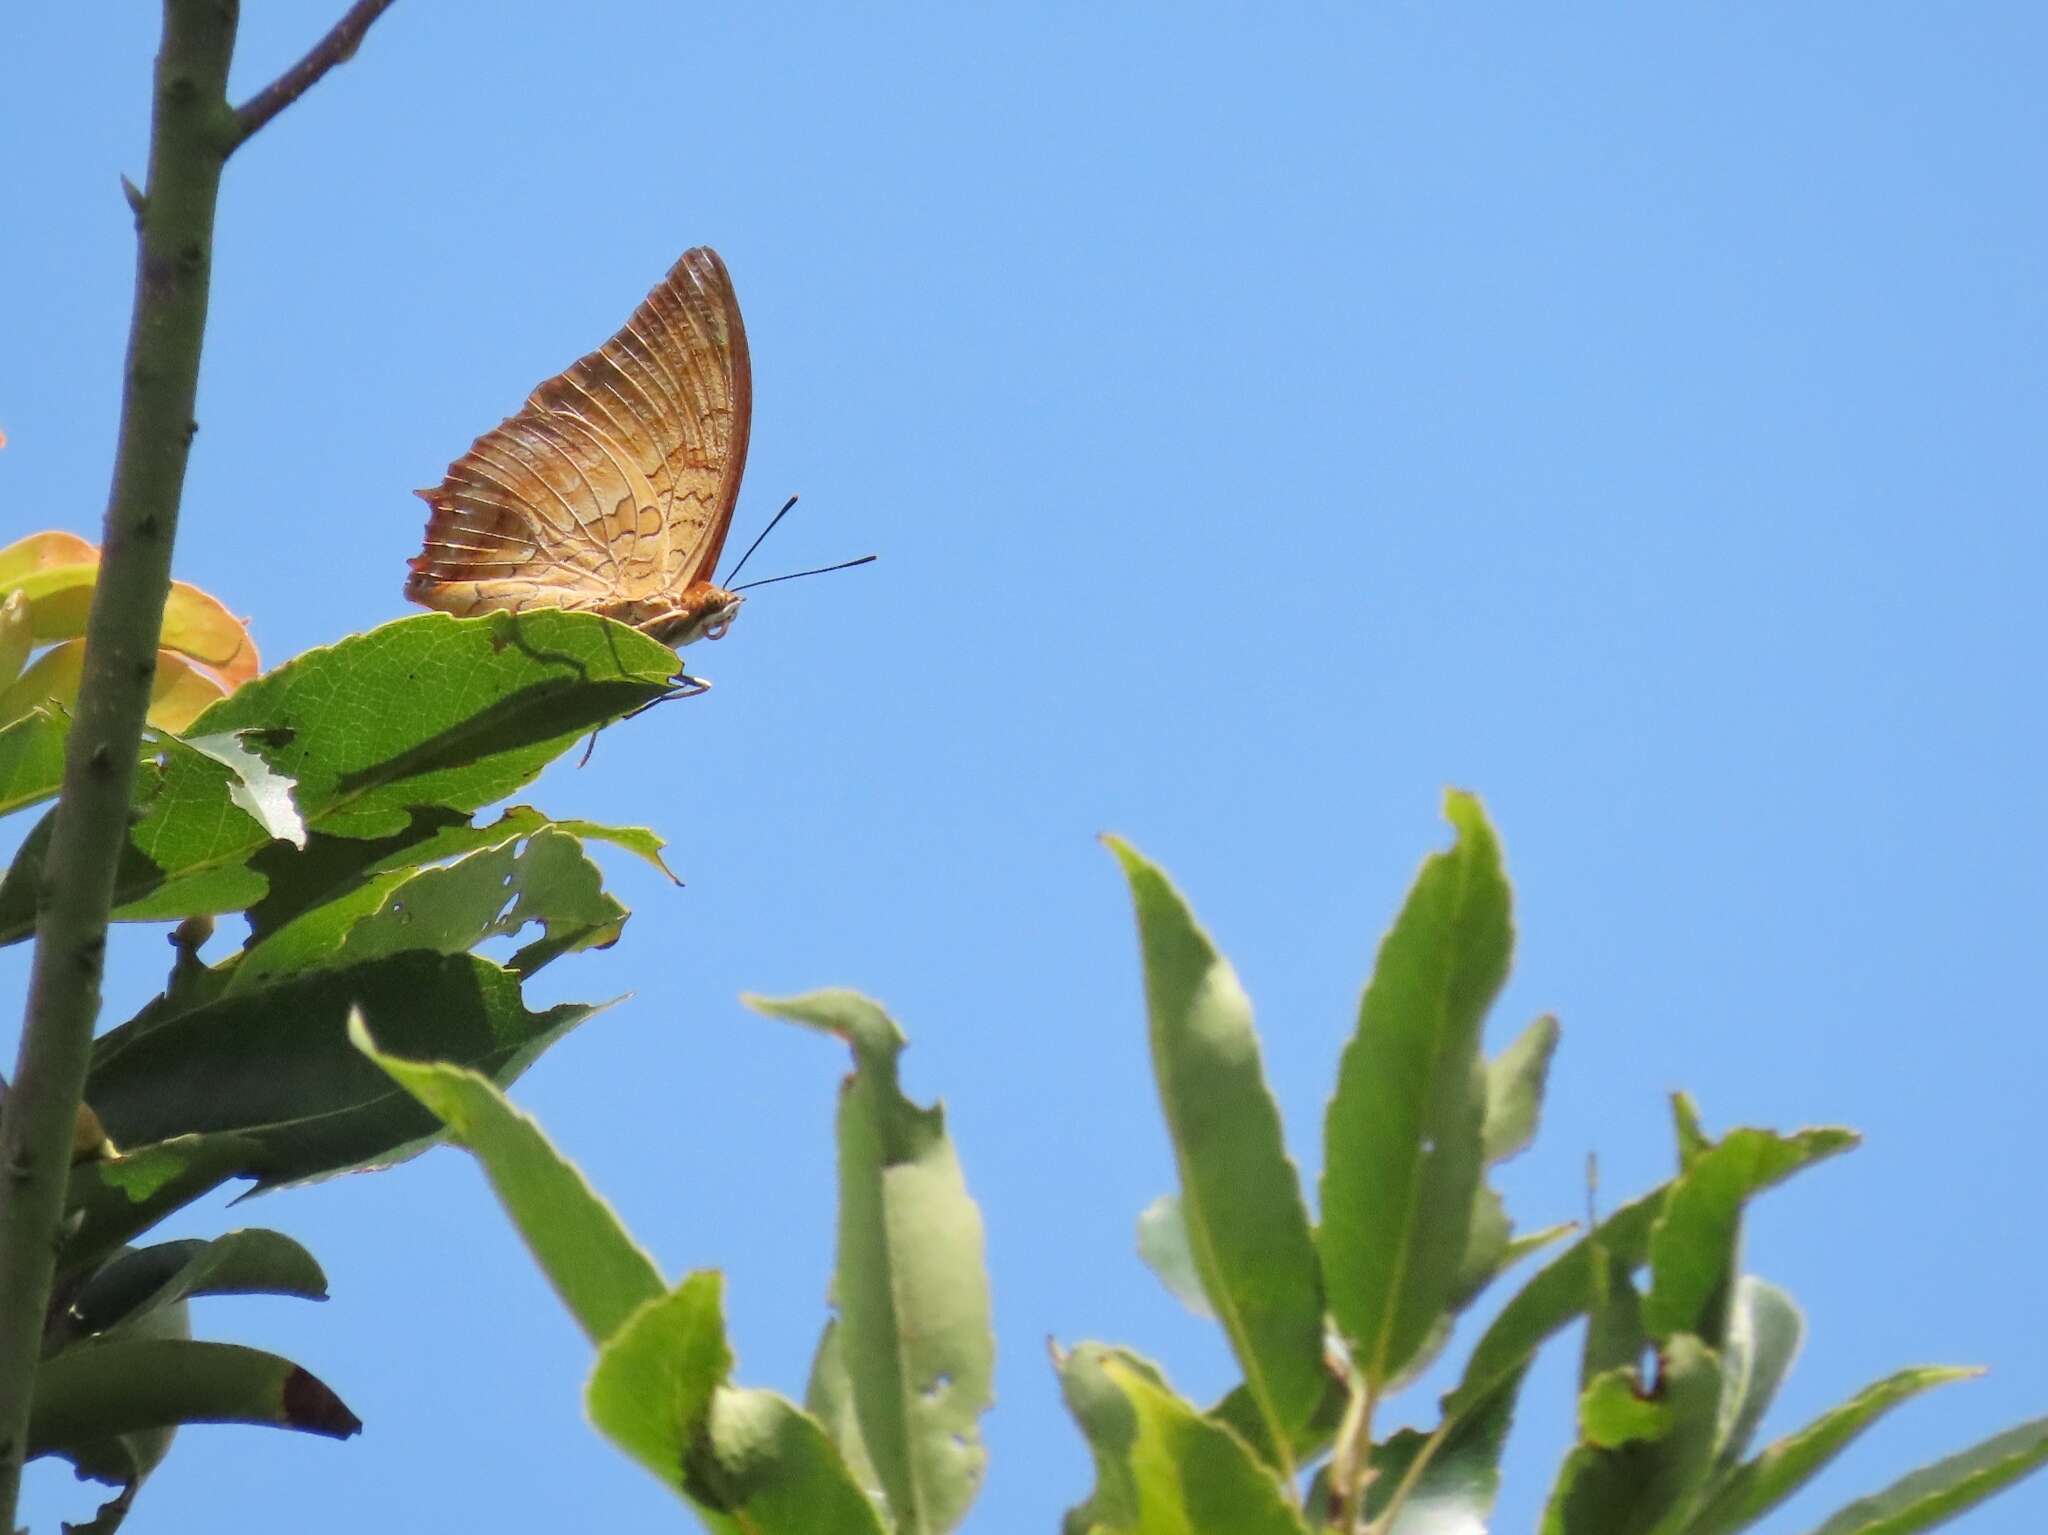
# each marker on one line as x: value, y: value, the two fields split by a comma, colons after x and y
x: 757, y: 542
x: 866, y: 559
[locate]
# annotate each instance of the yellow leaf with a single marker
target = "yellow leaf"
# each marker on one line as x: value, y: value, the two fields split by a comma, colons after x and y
x: 179, y: 694
x: 17, y: 636
x: 182, y: 691
x: 56, y: 573
x: 42, y: 551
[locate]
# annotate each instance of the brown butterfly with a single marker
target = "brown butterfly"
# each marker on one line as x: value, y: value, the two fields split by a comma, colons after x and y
x: 612, y: 489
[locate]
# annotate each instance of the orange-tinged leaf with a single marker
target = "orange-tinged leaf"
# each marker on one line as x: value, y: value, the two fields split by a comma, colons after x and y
x: 197, y: 624
x: 176, y: 698
x: 182, y: 691
x: 59, y: 596
x: 56, y: 572
x: 42, y: 551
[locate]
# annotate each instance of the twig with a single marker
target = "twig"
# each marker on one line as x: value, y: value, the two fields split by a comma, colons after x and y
x: 1351, y: 1462
x: 191, y: 127
x: 337, y: 47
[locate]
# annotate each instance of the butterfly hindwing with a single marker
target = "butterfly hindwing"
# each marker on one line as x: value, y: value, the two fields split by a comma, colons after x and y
x: 614, y: 485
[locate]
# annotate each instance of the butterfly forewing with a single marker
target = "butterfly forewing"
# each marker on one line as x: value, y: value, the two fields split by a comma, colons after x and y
x: 613, y: 487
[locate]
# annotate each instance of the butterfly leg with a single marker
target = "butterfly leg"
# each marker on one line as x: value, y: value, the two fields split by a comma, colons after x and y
x: 682, y: 685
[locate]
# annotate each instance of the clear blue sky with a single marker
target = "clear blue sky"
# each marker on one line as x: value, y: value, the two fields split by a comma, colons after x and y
x: 1633, y: 417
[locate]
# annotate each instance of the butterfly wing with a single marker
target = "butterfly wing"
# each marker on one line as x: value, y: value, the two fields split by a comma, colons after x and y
x: 615, y: 482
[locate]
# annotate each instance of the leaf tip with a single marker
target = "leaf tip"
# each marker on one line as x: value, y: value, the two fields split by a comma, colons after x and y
x: 1126, y: 855
x: 310, y: 1404
x: 359, y: 1033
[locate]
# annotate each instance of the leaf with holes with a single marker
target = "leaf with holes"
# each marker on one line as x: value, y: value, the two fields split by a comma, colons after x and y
x: 425, y: 712
x: 542, y: 879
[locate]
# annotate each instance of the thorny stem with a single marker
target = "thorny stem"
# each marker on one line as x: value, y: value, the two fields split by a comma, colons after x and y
x: 192, y: 133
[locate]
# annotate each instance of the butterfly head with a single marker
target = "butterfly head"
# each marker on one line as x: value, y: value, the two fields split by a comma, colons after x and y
x: 704, y: 612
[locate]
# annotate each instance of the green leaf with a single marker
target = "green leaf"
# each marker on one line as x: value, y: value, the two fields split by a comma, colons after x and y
x: 1240, y: 1196
x: 276, y: 1065
x: 31, y: 758
x: 436, y: 710
x: 1452, y: 1492
x: 331, y: 868
x: 101, y: 1391
x: 1163, y: 1244
x: 1491, y: 1250
x: 1514, y: 1090
x: 1614, y: 1410
x: 601, y: 1273
x: 542, y: 878
x: 829, y: 1398
x: 1693, y: 1139
x: 762, y: 1467
x: 749, y: 1460
x: 1657, y: 1466
x: 1522, y: 1246
x: 1161, y: 1467
x: 1936, y: 1494
x: 1486, y: 1253
x: 425, y: 712
x: 1403, y: 1145
x: 1693, y: 1250
x: 1566, y: 1287
x: 123, y: 1293
x: 186, y: 852
x: 113, y: 1200
x: 911, y: 1284
x: 1760, y: 1484
x: 651, y: 1389
x: 1764, y: 1333
x: 1614, y: 1321
x: 1240, y: 1414
x: 125, y: 1459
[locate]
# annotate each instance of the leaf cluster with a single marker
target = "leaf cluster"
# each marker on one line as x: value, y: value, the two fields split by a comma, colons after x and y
x: 1330, y: 1316
x: 335, y: 804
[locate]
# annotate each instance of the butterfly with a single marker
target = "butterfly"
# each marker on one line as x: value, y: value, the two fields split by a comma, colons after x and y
x: 611, y: 491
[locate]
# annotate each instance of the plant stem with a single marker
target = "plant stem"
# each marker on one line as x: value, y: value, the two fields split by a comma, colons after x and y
x: 1351, y: 1463
x: 337, y: 47
x: 191, y: 132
